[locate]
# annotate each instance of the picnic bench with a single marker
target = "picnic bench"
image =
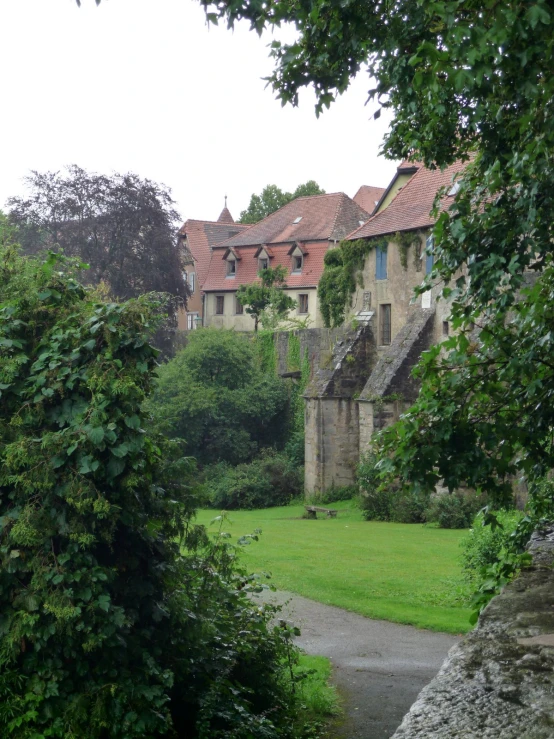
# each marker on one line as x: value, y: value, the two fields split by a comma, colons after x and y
x: 313, y: 510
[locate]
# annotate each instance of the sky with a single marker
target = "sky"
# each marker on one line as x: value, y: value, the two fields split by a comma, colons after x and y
x: 145, y: 86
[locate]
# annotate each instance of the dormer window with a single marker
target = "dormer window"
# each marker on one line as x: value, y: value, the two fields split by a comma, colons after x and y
x: 231, y: 268
x: 263, y: 263
x: 297, y: 254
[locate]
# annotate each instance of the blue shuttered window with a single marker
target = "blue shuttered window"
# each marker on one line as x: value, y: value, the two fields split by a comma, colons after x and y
x: 429, y: 255
x: 381, y: 263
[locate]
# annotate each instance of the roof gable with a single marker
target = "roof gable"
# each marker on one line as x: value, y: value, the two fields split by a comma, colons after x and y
x: 411, y: 208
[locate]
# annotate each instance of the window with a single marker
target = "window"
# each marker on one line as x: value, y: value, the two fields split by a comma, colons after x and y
x: 302, y: 303
x: 192, y: 321
x: 384, y: 324
x: 429, y: 255
x: 219, y: 304
x: 381, y: 263
x: 445, y: 328
x: 263, y: 263
x: 192, y: 281
x: 239, y: 307
x: 231, y: 268
x: 297, y: 264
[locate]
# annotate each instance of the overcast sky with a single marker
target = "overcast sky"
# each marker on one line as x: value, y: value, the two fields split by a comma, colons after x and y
x: 145, y: 86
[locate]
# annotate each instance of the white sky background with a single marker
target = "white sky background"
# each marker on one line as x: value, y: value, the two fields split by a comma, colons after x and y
x: 145, y: 86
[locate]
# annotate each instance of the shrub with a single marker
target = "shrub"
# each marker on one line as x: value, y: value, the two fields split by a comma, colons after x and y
x: 408, y: 508
x: 483, y: 544
x: 294, y: 448
x: 107, y: 629
x: 270, y: 480
x: 453, y: 510
x: 344, y: 492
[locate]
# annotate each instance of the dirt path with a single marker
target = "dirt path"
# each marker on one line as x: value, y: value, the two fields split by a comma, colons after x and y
x: 378, y: 667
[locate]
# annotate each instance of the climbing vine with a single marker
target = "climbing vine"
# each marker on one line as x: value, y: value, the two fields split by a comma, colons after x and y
x: 265, y: 345
x: 341, y: 275
x: 405, y: 239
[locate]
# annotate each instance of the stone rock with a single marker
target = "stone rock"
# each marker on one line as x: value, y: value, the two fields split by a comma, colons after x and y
x: 498, y: 682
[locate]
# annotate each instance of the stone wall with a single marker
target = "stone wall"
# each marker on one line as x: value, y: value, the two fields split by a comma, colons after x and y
x: 332, y: 411
x: 498, y: 682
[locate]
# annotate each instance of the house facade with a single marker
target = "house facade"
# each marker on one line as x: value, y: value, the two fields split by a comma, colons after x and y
x: 196, y: 240
x: 367, y: 383
x: 297, y: 236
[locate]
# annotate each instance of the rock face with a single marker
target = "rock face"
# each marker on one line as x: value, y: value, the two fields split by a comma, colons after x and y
x: 498, y: 682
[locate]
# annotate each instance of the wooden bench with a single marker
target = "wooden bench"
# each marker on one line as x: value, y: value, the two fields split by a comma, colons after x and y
x: 313, y: 510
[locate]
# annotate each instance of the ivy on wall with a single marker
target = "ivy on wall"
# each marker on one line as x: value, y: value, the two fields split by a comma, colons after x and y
x: 342, y: 273
x: 267, y: 353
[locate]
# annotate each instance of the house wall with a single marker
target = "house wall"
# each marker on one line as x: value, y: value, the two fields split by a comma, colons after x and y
x: 398, y: 291
x: 393, y: 192
x: 245, y: 322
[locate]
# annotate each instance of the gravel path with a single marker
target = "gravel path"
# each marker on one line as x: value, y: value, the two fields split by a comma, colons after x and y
x: 378, y: 667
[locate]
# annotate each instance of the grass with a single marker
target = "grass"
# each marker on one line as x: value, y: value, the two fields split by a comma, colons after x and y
x: 317, y: 701
x: 406, y: 573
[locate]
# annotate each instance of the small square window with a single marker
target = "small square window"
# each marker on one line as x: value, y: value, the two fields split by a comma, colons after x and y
x: 297, y: 264
x: 239, y: 308
x: 385, y: 324
x: 263, y: 263
x: 231, y: 268
x: 302, y: 303
x: 219, y: 304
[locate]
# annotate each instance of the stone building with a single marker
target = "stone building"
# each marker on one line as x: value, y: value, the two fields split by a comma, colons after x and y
x: 296, y: 237
x: 197, y: 239
x: 367, y: 382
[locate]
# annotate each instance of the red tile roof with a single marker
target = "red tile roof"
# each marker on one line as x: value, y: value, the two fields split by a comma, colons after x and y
x: 330, y: 217
x: 247, y: 268
x: 411, y: 208
x: 202, y: 236
x: 368, y: 196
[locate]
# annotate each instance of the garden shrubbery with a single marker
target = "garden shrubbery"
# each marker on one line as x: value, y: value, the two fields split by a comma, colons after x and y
x: 119, y: 616
x: 270, y: 480
x: 483, y: 545
x: 449, y: 510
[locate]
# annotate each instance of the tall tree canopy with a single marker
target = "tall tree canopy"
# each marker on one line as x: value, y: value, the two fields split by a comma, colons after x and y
x: 272, y: 198
x: 470, y: 81
x: 121, y: 225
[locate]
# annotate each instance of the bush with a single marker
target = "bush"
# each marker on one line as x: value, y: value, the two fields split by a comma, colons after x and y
x: 453, y: 510
x: 483, y: 545
x: 270, y: 480
x: 294, y: 448
x: 215, y: 397
x: 108, y: 630
x: 408, y: 508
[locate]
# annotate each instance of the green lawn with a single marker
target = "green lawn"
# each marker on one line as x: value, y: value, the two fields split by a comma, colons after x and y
x: 406, y: 573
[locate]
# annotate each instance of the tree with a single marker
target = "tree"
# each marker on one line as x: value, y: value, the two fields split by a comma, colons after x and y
x: 266, y: 301
x: 272, y: 198
x: 119, y: 617
x: 122, y: 226
x: 214, y: 396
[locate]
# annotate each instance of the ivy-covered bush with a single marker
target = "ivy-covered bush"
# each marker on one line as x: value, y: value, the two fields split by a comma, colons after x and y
x: 270, y: 480
x: 106, y: 629
x: 483, y: 545
x: 215, y: 396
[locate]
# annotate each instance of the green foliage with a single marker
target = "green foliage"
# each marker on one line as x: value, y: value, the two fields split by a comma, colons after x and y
x: 265, y: 346
x: 404, y: 240
x: 270, y: 480
x: 215, y: 397
x: 484, y: 545
x: 341, y: 275
x: 453, y: 510
x: 512, y: 556
x: 272, y: 198
x: 106, y: 629
x: 266, y: 301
